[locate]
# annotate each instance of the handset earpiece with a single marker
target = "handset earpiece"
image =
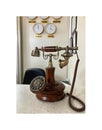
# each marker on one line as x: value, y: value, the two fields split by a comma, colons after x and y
x: 37, y: 84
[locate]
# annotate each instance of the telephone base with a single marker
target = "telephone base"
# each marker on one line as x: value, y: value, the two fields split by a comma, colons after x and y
x: 56, y: 93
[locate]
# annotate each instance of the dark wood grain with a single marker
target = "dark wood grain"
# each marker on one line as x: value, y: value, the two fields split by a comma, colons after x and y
x: 54, y: 91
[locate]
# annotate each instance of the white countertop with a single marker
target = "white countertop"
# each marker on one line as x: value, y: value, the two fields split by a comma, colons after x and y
x: 26, y: 101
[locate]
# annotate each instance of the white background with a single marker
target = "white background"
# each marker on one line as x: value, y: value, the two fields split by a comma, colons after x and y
x: 93, y: 116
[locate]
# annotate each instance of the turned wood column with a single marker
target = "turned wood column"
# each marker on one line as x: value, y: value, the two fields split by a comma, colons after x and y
x: 50, y: 81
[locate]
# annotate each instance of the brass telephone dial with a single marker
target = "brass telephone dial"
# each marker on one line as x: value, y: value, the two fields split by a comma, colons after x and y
x: 46, y: 88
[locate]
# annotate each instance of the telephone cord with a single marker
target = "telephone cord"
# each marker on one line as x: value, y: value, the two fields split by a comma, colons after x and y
x: 71, y: 91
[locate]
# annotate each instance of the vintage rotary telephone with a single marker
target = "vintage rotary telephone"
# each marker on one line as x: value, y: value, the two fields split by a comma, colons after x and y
x: 46, y: 88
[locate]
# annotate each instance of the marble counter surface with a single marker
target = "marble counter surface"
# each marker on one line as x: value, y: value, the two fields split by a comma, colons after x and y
x: 26, y: 101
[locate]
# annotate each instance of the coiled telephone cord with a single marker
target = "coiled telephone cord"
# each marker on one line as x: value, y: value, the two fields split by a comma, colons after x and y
x: 71, y: 91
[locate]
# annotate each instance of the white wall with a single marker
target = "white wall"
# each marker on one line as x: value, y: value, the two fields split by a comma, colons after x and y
x: 81, y: 45
x: 29, y: 41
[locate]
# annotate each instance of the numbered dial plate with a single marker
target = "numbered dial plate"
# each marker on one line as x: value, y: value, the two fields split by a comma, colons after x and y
x: 44, y: 17
x: 37, y: 84
x: 50, y: 28
x: 32, y: 17
x: 38, y: 28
